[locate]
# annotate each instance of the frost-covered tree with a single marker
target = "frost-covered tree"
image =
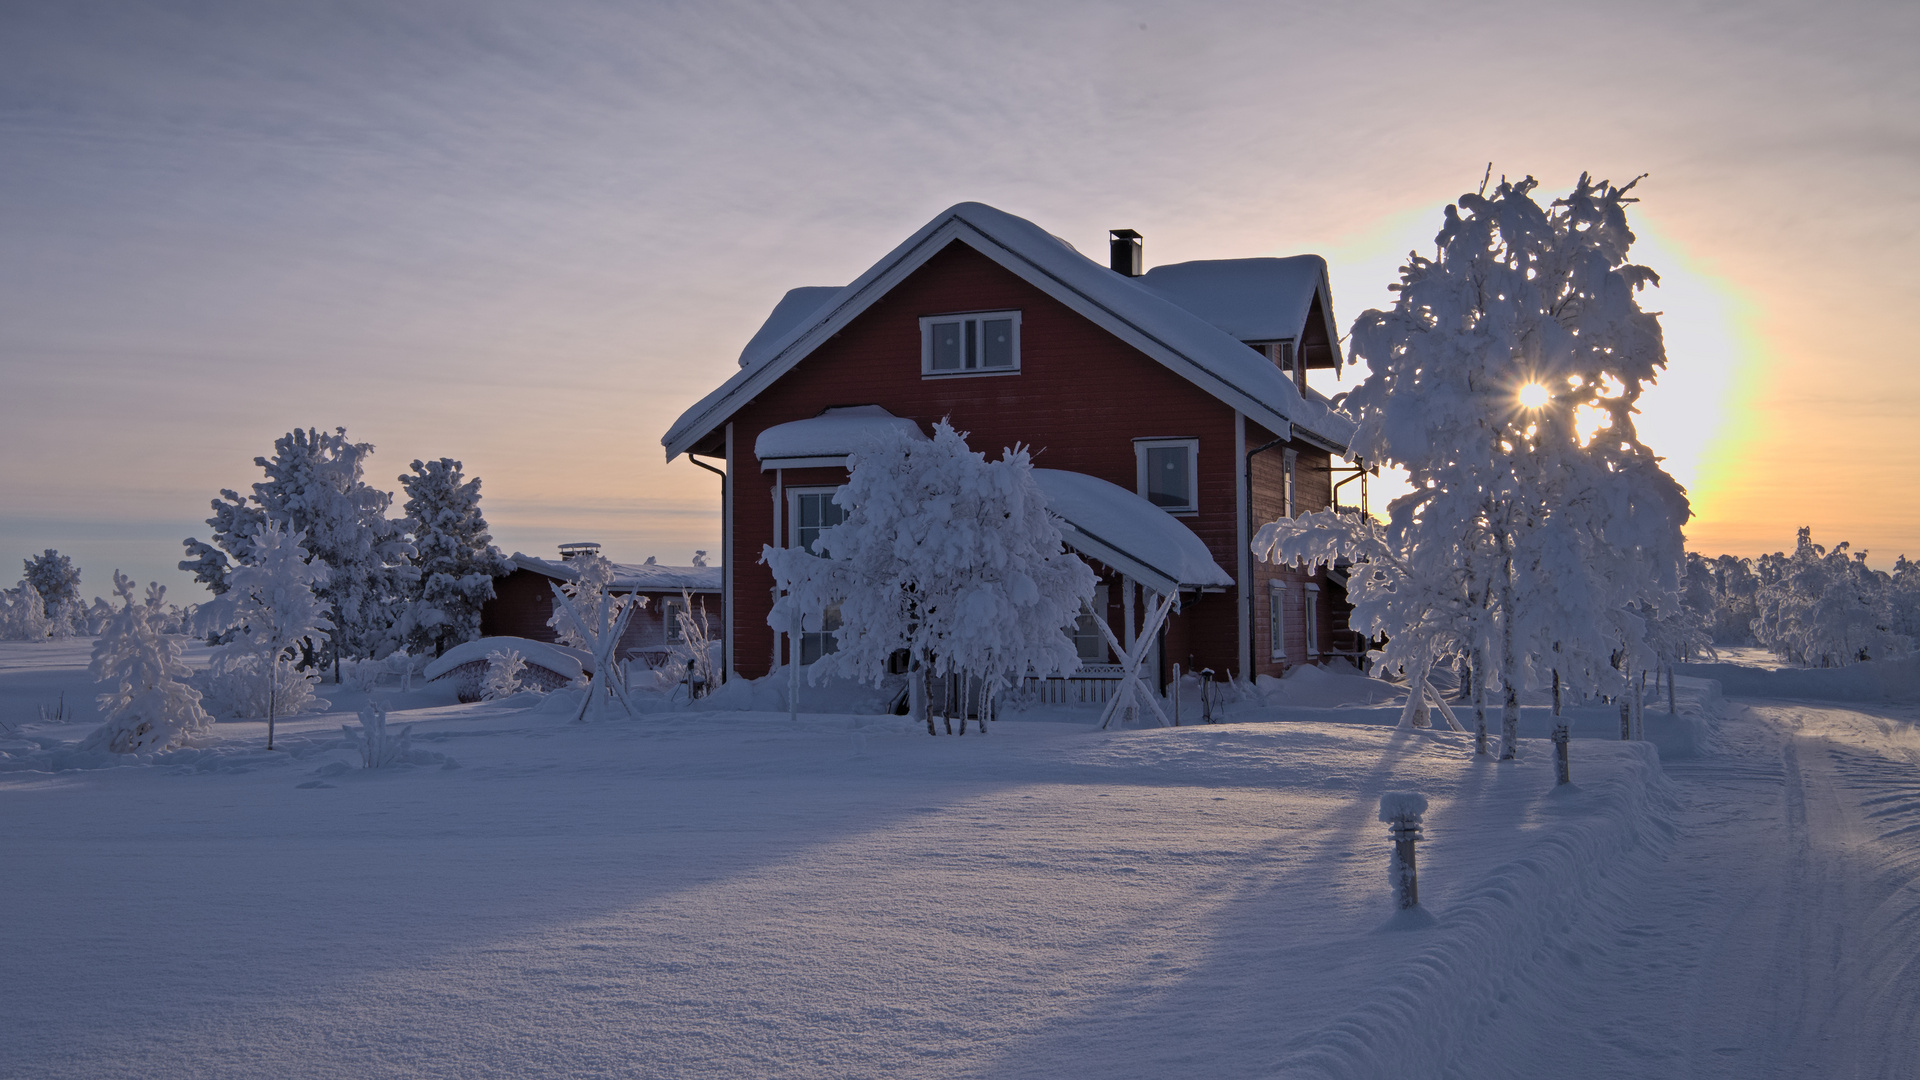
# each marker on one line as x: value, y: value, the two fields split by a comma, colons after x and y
x: 945, y: 555
x: 454, y: 559
x: 148, y: 703
x: 272, y: 607
x: 314, y: 486
x: 505, y: 669
x: 55, y: 577
x: 1504, y: 381
x: 1826, y: 608
x: 23, y: 614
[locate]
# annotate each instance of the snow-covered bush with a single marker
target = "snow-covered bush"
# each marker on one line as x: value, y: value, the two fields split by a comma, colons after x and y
x: 587, y: 615
x: 148, y: 703
x: 505, y: 671
x: 236, y: 686
x: 23, y: 614
x: 943, y: 554
x: 379, y: 745
x: 454, y: 559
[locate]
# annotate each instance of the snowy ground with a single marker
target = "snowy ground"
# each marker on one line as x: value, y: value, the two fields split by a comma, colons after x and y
x: 738, y: 895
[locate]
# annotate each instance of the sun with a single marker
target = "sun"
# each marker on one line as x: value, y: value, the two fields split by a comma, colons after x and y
x: 1534, y: 395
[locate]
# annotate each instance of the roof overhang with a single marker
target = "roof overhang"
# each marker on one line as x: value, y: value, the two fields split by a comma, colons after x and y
x: 1107, y: 522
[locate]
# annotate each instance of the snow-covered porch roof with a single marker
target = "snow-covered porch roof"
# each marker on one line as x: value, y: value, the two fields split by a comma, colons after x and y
x: 1107, y: 522
x: 827, y: 439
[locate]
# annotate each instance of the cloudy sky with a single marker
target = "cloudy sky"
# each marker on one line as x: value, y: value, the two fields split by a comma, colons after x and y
x: 527, y: 235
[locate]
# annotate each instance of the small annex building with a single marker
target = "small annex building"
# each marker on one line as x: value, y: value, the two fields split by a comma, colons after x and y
x: 1168, y: 410
x: 522, y: 601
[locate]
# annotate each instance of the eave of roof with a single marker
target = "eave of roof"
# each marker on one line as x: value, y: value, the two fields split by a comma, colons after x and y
x: 1184, y: 342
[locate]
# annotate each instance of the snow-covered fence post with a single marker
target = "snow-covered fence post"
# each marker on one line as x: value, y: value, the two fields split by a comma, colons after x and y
x: 1403, y: 811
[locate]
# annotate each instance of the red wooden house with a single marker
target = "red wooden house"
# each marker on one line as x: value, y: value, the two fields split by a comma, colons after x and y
x: 522, y: 601
x: 1172, y: 404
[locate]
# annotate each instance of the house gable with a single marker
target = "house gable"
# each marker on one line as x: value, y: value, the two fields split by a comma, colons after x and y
x: 1155, y: 326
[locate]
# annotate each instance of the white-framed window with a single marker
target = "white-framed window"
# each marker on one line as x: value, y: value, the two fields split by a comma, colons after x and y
x: 811, y: 511
x: 970, y: 343
x: 670, y: 611
x: 1288, y: 474
x: 1277, y: 620
x: 1088, y: 641
x: 815, y: 644
x: 1313, y: 620
x: 1169, y: 473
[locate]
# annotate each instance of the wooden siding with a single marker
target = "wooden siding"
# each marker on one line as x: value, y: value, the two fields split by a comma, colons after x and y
x: 523, y: 602
x: 1079, y: 401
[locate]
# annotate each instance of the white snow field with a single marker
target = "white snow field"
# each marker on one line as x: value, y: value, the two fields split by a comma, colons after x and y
x: 733, y: 894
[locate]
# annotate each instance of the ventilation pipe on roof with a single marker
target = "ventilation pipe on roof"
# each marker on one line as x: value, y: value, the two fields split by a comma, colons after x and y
x: 1125, y: 247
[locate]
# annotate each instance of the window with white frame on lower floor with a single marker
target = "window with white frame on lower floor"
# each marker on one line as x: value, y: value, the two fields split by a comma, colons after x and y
x: 1169, y: 473
x: 1313, y: 620
x: 1088, y: 640
x: 671, y: 609
x: 1277, y: 620
x: 973, y: 343
x: 815, y: 644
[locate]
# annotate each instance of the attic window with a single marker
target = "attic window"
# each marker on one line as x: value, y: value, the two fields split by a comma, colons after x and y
x: 973, y: 343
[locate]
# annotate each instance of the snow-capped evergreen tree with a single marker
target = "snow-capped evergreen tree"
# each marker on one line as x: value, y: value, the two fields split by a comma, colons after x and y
x: 55, y: 577
x: 943, y: 554
x: 454, y: 559
x: 1504, y: 381
x: 148, y: 704
x: 314, y: 486
x: 272, y: 606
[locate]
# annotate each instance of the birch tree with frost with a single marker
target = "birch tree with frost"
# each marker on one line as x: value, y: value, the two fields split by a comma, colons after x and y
x: 1504, y: 381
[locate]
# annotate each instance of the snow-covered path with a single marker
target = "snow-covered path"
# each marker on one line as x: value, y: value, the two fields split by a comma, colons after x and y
x: 1780, y: 936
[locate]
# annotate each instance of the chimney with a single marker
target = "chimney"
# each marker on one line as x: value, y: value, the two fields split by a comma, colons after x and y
x: 574, y: 551
x: 1125, y: 246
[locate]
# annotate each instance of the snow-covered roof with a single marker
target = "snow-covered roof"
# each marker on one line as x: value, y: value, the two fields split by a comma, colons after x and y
x: 1130, y: 534
x: 632, y: 577
x: 1251, y: 299
x: 833, y: 434
x: 1142, y: 316
x: 562, y: 661
x: 788, y: 313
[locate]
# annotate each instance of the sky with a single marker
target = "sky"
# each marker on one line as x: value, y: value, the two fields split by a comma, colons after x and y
x: 528, y: 235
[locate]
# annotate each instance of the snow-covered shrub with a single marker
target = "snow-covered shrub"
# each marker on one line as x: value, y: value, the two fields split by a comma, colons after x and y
x: 587, y: 615
x: 379, y: 745
x: 454, y: 559
x: 23, y: 614
x: 944, y: 554
x: 505, y: 672
x: 234, y: 686
x: 148, y: 703
x: 694, y: 651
